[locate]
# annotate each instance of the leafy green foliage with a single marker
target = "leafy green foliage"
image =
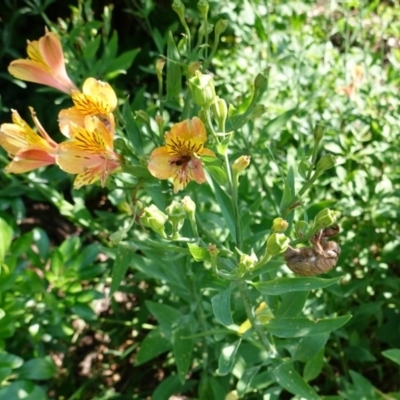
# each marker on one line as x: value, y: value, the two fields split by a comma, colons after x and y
x: 84, y: 280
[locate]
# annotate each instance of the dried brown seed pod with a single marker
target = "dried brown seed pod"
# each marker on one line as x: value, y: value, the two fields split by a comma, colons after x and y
x: 315, y: 260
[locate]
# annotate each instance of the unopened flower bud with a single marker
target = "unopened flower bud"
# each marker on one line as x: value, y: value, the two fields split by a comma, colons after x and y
x: 247, y: 261
x: 219, y: 110
x: 176, y: 215
x: 155, y: 219
x: 319, y: 132
x: 193, y: 67
x: 277, y: 243
x: 212, y: 249
x: 203, y: 7
x: 179, y: 8
x: 279, y: 225
x: 327, y: 161
x: 232, y: 395
x: 189, y: 205
x: 325, y: 218
x: 159, y: 67
x: 263, y: 313
x: 202, y: 88
x: 300, y: 229
x: 220, y: 27
x: 240, y: 164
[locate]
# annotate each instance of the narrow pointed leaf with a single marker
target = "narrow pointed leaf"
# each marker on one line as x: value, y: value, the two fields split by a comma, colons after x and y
x: 221, y: 304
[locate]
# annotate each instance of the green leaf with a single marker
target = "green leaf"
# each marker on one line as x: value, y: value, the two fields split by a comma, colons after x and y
x: 120, y: 266
x: 198, y: 253
x: 122, y: 62
x: 23, y: 389
x: 245, y: 380
x: 215, y: 167
x: 10, y: 360
x: 174, y: 73
x: 133, y: 133
x: 292, y: 304
x: 84, y: 311
x: 182, y: 346
x: 154, y: 344
x: 227, y: 358
x: 290, y: 379
x: 287, y: 285
x: 167, y: 388
x: 298, y: 327
x: 310, y: 346
x: 393, y: 355
x: 225, y: 203
x: 289, y: 192
x: 314, y: 366
x: 164, y: 314
x: 37, y: 369
x: 273, y: 126
x: 5, y: 238
x: 221, y: 304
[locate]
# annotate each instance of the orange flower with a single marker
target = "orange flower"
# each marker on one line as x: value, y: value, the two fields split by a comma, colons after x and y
x: 89, y: 153
x: 45, y: 64
x: 96, y: 99
x: 179, y: 158
x: 30, y: 151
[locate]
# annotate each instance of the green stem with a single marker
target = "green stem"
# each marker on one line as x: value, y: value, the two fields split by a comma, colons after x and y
x: 250, y: 315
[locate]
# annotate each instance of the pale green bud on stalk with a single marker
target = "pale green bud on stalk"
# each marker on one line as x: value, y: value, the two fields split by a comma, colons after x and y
x: 279, y: 225
x: 192, y: 68
x: 155, y: 219
x: 327, y: 161
x: 179, y: 8
x: 247, y: 261
x: 189, y: 206
x: 213, y: 250
x: 219, y: 109
x: 159, y: 68
x: 277, y: 243
x: 300, y: 229
x: 319, y: 131
x: 176, y: 215
x: 202, y: 89
x: 203, y: 7
x: 220, y: 27
x: 240, y: 164
x: 325, y: 218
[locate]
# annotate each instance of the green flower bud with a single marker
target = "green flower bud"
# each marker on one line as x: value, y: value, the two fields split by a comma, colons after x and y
x: 212, y: 249
x: 176, y: 215
x: 325, y: 218
x: 159, y: 67
x: 220, y: 27
x: 155, y: 219
x: 179, y: 8
x: 279, y: 225
x: 193, y: 67
x: 240, y: 164
x: 189, y: 205
x: 300, y: 229
x: 202, y: 88
x: 327, y: 161
x: 277, y: 243
x: 247, y: 262
x: 319, y: 132
x: 219, y: 109
x: 203, y: 7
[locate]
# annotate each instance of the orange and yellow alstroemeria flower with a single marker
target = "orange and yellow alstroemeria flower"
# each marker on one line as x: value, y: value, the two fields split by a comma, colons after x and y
x: 30, y: 150
x: 96, y: 99
x: 179, y: 158
x: 45, y: 64
x: 89, y: 153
